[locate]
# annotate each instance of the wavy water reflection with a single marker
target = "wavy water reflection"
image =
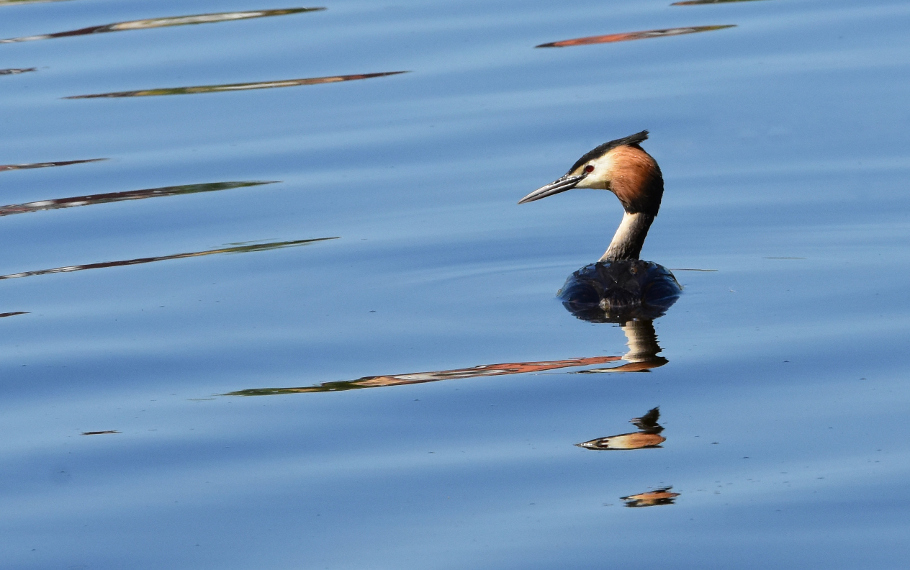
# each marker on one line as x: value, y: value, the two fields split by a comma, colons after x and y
x: 17, y: 70
x: 237, y: 86
x: 4, y: 167
x: 163, y: 23
x: 647, y: 436
x: 642, y: 356
x: 435, y: 376
x: 141, y: 260
x: 14, y: 2
x: 694, y: 2
x: 628, y: 36
x: 654, y: 498
x: 13, y: 314
x: 641, y: 338
x: 93, y: 199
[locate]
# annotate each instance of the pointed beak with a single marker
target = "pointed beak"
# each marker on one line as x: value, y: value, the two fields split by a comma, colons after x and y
x: 565, y: 183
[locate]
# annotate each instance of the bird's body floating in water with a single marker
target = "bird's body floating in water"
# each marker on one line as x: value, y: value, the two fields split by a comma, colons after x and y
x: 619, y: 287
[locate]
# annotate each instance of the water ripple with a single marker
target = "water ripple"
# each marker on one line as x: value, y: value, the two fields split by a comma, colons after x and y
x: 236, y: 86
x: 92, y: 199
x: 141, y: 260
x: 695, y: 2
x: 485, y: 370
x: 16, y: 2
x: 17, y: 70
x: 163, y: 23
x: 629, y: 36
x: 13, y: 314
x: 31, y: 165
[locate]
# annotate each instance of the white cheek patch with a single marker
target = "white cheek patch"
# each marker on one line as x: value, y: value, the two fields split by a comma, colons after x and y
x: 599, y: 178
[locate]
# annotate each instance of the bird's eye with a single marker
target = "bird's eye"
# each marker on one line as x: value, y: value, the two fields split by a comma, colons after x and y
x: 589, y: 169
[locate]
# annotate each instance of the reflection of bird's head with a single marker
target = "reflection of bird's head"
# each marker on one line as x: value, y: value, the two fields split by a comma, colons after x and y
x: 620, y: 166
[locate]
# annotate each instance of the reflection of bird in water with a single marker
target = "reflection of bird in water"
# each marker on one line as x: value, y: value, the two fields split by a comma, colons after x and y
x: 657, y: 497
x: 648, y: 435
x: 643, y: 349
x: 619, y: 287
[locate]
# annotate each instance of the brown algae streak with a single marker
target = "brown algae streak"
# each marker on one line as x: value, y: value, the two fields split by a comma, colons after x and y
x: 4, y: 167
x: 629, y: 36
x: 141, y: 260
x: 237, y: 86
x: 92, y: 199
x: 163, y: 23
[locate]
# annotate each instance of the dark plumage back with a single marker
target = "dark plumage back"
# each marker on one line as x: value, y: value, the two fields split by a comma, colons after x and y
x: 619, y: 291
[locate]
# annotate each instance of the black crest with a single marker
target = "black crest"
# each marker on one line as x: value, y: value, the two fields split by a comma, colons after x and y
x: 631, y: 140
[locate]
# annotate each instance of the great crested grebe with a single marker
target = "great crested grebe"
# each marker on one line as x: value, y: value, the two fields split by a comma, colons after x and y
x: 619, y: 287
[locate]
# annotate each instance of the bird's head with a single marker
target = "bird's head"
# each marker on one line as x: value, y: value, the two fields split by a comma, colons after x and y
x: 620, y: 166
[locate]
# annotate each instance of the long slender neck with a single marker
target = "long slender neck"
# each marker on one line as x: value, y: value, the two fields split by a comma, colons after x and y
x: 629, y: 237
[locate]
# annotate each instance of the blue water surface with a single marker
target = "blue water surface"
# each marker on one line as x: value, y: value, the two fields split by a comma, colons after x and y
x: 784, y: 148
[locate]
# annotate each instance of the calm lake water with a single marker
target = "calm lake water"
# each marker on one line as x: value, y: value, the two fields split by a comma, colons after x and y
x: 284, y: 312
